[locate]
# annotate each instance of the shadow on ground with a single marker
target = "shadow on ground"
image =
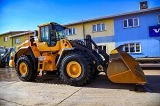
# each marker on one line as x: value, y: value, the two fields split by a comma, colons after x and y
x: 101, y: 81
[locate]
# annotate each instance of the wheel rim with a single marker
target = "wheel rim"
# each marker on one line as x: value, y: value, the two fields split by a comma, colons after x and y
x: 23, y: 68
x: 74, y: 69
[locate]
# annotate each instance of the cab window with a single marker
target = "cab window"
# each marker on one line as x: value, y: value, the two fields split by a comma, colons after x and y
x: 45, y: 34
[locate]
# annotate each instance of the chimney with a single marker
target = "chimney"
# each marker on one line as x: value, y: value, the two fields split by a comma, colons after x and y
x: 143, y: 4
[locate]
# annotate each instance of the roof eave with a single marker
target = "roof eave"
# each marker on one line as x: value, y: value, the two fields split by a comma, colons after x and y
x: 20, y: 34
x: 116, y: 15
x: 10, y: 32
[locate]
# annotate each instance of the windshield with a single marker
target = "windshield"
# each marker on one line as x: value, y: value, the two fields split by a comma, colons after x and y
x: 60, y: 31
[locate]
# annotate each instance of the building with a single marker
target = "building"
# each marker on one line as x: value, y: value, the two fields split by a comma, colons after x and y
x: 21, y: 37
x: 14, y: 38
x: 139, y: 31
x: 5, y: 38
x: 101, y: 30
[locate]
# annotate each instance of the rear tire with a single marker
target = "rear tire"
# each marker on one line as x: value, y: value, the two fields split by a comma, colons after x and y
x: 25, y: 70
x: 75, y: 69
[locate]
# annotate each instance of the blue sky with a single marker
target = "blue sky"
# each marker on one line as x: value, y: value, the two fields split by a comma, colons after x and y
x: 20, y: 15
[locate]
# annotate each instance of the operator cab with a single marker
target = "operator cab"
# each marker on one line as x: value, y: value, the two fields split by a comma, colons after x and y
x: 51, y: 33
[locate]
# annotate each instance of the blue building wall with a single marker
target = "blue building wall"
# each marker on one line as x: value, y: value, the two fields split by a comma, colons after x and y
x: 150, y: 46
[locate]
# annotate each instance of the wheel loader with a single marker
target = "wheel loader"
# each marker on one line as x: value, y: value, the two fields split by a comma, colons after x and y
x: 4, y: 54
x: 76, y: 61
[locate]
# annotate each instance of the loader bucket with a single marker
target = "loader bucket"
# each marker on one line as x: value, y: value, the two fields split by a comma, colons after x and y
x: 123, y: 68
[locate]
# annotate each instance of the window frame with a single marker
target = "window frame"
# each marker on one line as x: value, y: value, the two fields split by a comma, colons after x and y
x: 17, y: 42
x: 126, y: 23
x: 5, y: 38
x: 103, y: 47
x: 96, y: 29
x: 44, y: 32
x: 133, y: 23
x: 135, y: 49
x: 70, y: 31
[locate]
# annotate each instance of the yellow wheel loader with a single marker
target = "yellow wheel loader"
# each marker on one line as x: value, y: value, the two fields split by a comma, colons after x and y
x: 75, y: 60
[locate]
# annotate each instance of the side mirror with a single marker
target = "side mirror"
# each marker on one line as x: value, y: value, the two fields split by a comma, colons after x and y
x: 35, y: 33
x: 32, y: 40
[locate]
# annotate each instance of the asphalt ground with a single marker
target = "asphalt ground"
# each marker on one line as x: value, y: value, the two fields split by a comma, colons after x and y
x: 51, y: 91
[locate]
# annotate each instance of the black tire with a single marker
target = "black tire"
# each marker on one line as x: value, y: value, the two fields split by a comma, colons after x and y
x: 25, y: 70
x: 85, y: 68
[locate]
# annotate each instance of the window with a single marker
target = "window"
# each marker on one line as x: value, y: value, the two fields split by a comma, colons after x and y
x: 133, y: 22
x: 125, y: 23
x: 130, y: 22
x: 17, y: 40
x: 70, y: 31
x: 44, y: 33
x: 103, y: 47
x: 132, y: 47
x: 159, y: 18
x: 136, y: 22
x: 98, y: 27
x: 6, y: 39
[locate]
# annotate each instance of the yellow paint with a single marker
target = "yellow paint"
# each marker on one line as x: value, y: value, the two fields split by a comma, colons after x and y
x: 83, y: 29
x: 5, y: 43
x: 23, y: 68
x: 35, y: 51
x: 74, y: 69
x: 109, y: 46
x: 11, y: 41
x: 79, y: 32
x: 114, y: 52
x: 11, y: 62
x: 109, y: 28
x: 60, y: 45
x: 124, y: 69
x: 48, y: 63
x: 22, y: 38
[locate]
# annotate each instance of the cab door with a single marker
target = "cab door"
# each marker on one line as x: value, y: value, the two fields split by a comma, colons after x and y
x: 48, y: 35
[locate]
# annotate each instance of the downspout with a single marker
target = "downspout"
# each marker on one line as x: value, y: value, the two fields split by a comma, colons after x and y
x: 83, y: 30
x: 12, y: 40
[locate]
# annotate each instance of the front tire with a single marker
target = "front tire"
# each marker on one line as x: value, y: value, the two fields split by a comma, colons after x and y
x: 25, y: 70
x: 75, y: 69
